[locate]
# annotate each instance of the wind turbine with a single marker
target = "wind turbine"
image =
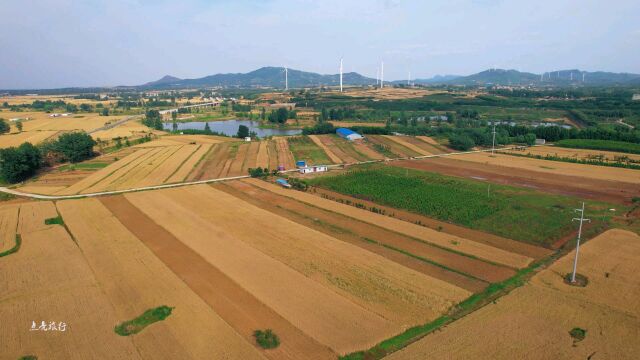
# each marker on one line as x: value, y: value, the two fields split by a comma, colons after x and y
x: 409, y: 79
x: 541, y: 77
x: 583, y: 76
x: 571, y: 73
x: 340, y: 74
x: 377, y: 76
x: 286, y: 79
x: 381, y: 74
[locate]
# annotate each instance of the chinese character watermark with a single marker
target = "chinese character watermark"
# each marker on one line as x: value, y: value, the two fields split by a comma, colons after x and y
x: 50, y: 326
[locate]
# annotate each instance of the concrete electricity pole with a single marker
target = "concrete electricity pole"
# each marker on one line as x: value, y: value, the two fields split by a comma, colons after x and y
x: 575, y: 261
x: 493, y: 146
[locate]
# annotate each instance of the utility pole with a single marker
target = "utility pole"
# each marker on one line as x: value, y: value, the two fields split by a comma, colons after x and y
x: 493, y: 146
x: 575, y: 261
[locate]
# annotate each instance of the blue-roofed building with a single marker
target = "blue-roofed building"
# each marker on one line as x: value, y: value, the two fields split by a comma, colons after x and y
x: 348, y: 134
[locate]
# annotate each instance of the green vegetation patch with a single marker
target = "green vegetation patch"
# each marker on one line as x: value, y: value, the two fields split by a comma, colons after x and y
x: 304, y: 149
x: 15, y: 248
x: 267, y: 339
x: 604, y: 145
x: 54, y: 221
x: 578, y: 334
x: 515, y: 213
x: 28, y: 357
x: 136, y: 325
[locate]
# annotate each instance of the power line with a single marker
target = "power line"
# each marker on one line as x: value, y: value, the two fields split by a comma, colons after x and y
x: 575, y: 261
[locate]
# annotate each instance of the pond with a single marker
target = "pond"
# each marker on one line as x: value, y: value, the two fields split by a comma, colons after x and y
x: 230, y: 127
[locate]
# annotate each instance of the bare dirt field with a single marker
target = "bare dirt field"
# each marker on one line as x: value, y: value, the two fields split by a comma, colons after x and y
x: 388, y: 93
x: 573, y: 185
x: 444, y: 240
x: 127, y: 270
x: 534, y: 321
x: 236, y: 306
x: 323, y: 314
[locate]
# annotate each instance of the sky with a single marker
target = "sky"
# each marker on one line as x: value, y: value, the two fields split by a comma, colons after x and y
x: 62, y: 43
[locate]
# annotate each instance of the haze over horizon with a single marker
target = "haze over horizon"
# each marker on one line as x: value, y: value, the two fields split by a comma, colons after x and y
x: 53, y: 44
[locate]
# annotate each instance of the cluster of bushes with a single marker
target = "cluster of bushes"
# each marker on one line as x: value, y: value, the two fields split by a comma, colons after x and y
x: 153, y: 120
x: 19, y: 163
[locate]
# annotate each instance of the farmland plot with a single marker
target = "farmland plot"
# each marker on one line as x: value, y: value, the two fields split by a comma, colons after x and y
x: 48, y: 280
x: 392, y: 146
x: 126, y: 270
x: 312, y: 307
x: 334, y: 158
x: 404, y: 141
x: 534, y: 321
x: 189, y: 165
x: 303, y: 148
x: 33, y: 137
x: 555, y: 167
x: 285, y: 157
x: 427, y: 235
x: 262, y: 160
x: 8, y: 225
x: 581, y: 154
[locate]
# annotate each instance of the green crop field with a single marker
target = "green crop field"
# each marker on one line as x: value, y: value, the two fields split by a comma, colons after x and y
x: 516, y: 213
x: 304, y: 149
x: 604, y: 145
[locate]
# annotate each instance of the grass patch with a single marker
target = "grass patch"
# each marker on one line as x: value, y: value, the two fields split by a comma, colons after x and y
x: 516, y: 213
x: 6, y: 197
x: 15, y: 247
x: 578, y: 334
x: 28, y: 357
x: 303, y: 148
x: 136, y: 325
x: 54, y: 221
x: 267, y: 339
x: 83, y: 166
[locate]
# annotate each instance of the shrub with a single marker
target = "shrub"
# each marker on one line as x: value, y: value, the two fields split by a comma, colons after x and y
x: 147, y: 318
x: 578, y: 334
x: 267, y: 339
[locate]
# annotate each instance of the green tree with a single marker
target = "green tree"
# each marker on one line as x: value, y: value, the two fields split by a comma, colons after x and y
x: 19, y: 125
x: 174, y: 125
x: 105, y: 112
x: 282, y: 115
x: 323, y: 115
x: 75, y: 146
x: 263, y: 114
x: 243, y: 131
x: 18, y: 164
x: 4, y: 127
x: 174, y: 115
x: 207, y: 129
x: 461, y: 142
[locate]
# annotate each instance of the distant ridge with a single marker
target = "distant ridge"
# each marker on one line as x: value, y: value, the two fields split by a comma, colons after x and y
x: 553, y: 78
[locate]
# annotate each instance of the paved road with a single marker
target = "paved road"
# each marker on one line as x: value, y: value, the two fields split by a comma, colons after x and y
x: 166, y: 186
x: 117, y: 123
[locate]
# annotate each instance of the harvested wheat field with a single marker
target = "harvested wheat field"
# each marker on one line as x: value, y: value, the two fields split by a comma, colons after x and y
x: 582, y: 154
x: 392, y: 146
x: 285, y: 157
x: 388, y: 93
x: 85, y: 122
x: 127, y: 270
x: 244, y: 312
x: 190, y: 164
x: 406, y: 141
x: 533, y: 322
x: 48, y: 280
x: 427, y: 235
x: 129, y: 129
x: 555, y: 167
x: 171, y: 140
x: 8, y: 226
x: 312, y: 307
x: 33, y: 137
x: 348, y: 124
x: 332, y: 156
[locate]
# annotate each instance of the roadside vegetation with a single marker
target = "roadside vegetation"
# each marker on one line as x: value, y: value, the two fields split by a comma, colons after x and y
x: 147, y: 318
x: 515, y: 213
x: 15, y: 248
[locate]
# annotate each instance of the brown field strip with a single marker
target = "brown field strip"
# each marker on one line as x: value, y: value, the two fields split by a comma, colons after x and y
x: 209, y: 167
x: 134, y: 280
x: 189, y: 165
x: 235, y: 305
x: 539, y: 315
x: 332, y: 156
x: 612, y: 191
x: 398, y: 294
x: 363, y: 148
x: 630, y: 176
x: 167, y: 167
x: 371, y: 238
x: 434, y: 144
x: 273, y: 154
x: 444, y: 240
x: 8, y: 226
x: 103, y: 173
x: 510, y: 245
x: 262, y: 159
x: 285, y: 157
x: 404, y: 141
x: 392, y: 146
x: 329, y: 142
x: 251, y: 157
x: 310, y: 306
x: 48, y: 279
x: 425, y: 146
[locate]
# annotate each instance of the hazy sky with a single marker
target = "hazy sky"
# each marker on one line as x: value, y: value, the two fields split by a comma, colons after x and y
x: 92, y: 43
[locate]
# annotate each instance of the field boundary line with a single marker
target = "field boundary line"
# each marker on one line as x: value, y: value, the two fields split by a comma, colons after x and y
x: 188, y: 183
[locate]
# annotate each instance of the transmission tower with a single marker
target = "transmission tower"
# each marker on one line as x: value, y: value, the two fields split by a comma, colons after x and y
x: 575, y: 261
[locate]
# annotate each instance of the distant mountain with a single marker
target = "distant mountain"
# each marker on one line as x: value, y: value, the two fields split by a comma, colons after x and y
x: 554, y: 78
x: 263, y: 77
x: 438, y: 79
